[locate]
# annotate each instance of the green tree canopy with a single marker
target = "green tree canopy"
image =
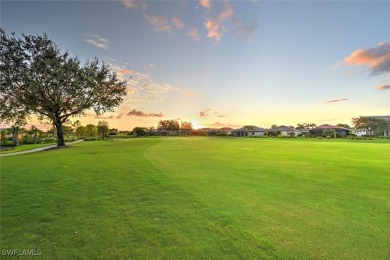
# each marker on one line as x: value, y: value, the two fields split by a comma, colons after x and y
x: 370, y: 124
x: 37, y: 78
x: 103, y: 128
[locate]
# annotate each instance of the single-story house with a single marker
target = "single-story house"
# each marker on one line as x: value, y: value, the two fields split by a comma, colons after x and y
x: 283, y: 130
x: 341, y: 131
x: 226, y: 130
x: 253, y: 131
x: 385, y: 133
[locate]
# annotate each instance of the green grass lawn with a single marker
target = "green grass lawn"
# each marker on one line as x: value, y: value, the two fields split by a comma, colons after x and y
x: 26, y: 147
x: 200, y: 197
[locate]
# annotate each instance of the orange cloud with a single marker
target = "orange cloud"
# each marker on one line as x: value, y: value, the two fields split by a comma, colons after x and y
x: 384, y: 87
x: 378, y: 58
x: 104, y: 117
x: 178, y: 22
x: 214, y: 26
x: 205, y: 3
x: 121, y: 71
x: 204, y: 112
x: 159, y: 23
x: 135, y: 4
x: 143, y: 114
x: 219, y: 124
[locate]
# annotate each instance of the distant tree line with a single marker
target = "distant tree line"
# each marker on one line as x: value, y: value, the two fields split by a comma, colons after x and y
x: 165, y: 128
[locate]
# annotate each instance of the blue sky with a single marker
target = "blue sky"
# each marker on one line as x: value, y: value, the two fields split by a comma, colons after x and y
x: 226, y: 63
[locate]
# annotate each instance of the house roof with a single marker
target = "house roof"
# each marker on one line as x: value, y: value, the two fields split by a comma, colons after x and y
x: 226, y: 129
x: 326, y: 126
x: 255, y: 129
x: 281, y: 128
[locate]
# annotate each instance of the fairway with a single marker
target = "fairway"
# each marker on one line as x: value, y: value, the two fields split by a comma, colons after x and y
x: 200, y: 197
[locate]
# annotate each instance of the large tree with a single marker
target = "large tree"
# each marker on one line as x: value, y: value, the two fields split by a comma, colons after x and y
x: 37, y: 78
x: 169, y: 126
x: 370, y: 124
x: 186, y: 127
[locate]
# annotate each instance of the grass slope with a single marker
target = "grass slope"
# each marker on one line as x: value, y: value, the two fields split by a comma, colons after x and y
x: 200, y: 198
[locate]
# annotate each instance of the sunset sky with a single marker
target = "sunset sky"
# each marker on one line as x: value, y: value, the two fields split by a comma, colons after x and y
x: 226, y: 63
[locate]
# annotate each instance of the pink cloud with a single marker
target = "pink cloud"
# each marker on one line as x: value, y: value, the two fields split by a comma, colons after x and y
x: 143, y: 114
x: 135, y: 4
x: 159, y: 23
x: 178, y: 23
x: 193, y: 33
x: 336, y: 100
x: 219, y: 124
x: 214, y: 25
x: 384, y: 87
x: 378, y: 58
x: 122, y: 72
x: 205, y: 3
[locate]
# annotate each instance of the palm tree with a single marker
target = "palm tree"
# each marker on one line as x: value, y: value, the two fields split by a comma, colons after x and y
x: 250, y: 128
x: 15, y: 129
x: 34, y: 131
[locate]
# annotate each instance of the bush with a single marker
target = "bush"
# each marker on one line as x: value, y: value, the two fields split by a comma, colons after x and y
x: 90, y: 139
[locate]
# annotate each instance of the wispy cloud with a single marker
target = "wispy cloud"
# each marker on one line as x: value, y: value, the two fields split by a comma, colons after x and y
x: 246, y: 30
x: 152, y: 65
x: 178, y: 22
x: 159, y: 23
x: 384, y: 87
x: 219, y: 125
x: 135, y: 4
x: 205, y: 3
x: 143, y: 89
x: 221, y: 115
x: 185, y: 92
x: 193, y: 33
x: 378, y: 58
x: 336, y: 100
x: 122, y: 72
x: 120, y: 116
x: 135, y: 112
x: 215, y: 26
x: 97, y: 41
x: 204, y: 112
x: 104, y: 117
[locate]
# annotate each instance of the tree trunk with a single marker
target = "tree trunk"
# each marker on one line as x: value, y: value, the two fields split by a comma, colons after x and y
x: 15, y: 138
x: 60, y: 134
